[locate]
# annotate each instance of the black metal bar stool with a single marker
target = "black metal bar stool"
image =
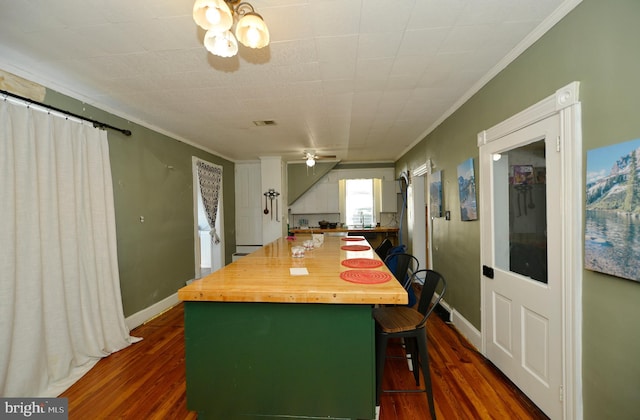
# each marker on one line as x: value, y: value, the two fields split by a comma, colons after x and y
x: 410, y: 324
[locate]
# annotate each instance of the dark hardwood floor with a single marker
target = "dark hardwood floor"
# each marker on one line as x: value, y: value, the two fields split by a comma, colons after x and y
x: 147, y: 380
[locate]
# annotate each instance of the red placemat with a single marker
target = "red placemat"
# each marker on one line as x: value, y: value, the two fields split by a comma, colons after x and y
x: 355, y: 247
x: 361, y: 263
x: 365, y: 276
x: 352, y: 238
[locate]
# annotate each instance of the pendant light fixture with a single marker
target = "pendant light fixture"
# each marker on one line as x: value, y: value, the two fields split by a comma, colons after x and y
x: 217, y: 18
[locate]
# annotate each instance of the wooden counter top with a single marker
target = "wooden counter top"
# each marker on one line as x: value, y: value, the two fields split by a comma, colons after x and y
x: 264, y: 276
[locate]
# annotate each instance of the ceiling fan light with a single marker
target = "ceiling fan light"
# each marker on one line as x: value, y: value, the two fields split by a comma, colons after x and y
x: 251, y: 31
x: 222, y: 44
x: 311, y: 162
x: 212, y: 15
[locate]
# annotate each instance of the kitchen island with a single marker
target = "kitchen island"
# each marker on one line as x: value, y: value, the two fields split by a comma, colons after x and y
x: 263, y: 343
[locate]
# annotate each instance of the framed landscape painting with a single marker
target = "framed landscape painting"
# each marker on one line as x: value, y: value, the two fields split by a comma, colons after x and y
x: 435, y: 194
x: 612, y: 220
x: 467, y: 189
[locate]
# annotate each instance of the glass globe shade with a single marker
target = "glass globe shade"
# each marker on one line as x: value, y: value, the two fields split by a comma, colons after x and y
x: 252, y: 32
x: 222, y: 44
x: 212, y: 15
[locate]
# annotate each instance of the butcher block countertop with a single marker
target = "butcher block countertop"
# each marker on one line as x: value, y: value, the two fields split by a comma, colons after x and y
x: 265, y: 276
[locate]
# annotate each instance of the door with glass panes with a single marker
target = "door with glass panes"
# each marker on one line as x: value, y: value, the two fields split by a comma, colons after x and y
x: 522, y: 260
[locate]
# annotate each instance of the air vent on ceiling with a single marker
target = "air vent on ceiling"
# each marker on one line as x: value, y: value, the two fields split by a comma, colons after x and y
x: 264, y: 122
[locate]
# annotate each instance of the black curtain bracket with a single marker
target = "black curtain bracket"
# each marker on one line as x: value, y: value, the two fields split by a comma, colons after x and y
x: 96, y: 124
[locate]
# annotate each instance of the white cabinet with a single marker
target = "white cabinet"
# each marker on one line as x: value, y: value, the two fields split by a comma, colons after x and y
x: 321, y: 198
x: 302, y: 204
x: 389, y: 196
x: 332, y: 197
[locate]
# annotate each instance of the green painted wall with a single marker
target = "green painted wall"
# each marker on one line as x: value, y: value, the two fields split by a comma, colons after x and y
x: 598, y: 45
x: 152, y: 177
x: 300, y: 178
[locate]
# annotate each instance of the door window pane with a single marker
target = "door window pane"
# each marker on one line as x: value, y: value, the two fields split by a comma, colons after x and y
x: 521, y: 211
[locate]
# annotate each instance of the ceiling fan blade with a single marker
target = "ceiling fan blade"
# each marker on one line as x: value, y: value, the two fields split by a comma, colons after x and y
x: 325, y: 156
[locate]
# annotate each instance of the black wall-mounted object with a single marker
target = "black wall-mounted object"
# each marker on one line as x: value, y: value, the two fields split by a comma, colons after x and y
x: 487, y: 271
x: 96, y: 124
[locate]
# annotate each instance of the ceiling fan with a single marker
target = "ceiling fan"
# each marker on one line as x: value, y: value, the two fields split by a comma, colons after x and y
x: 310, y: 157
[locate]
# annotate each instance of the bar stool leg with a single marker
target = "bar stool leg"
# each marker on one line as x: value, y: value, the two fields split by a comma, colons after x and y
x: 412, y: 350
x: 424, y: 365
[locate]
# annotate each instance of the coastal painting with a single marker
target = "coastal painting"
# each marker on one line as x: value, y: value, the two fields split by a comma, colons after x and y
x: 435, y: 194
x: 612, y: 228
x: 467, y: 189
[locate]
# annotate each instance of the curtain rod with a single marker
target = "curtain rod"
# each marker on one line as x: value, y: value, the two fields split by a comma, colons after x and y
x: 96, y: 124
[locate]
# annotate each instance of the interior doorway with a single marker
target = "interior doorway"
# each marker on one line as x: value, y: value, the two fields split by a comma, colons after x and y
x: 209, y: 241
x: 531, y: 253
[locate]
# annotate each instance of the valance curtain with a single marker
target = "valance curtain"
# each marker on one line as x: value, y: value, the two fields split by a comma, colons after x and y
x: 210, y: 180
x: 60, y: 301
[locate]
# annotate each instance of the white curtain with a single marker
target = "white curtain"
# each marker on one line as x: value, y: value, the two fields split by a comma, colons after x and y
x: 60, y: 302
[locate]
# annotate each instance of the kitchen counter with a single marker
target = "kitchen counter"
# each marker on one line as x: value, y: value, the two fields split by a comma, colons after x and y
x: 299, y: 346
x: 263, y: 276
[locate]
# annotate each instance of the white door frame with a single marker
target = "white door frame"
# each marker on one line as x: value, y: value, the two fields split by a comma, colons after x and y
x: 219, y: 220
x: 565, y: 103
x: 416, y: 202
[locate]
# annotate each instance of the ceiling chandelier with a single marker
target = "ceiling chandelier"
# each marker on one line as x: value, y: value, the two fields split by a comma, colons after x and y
x: 218, y: 16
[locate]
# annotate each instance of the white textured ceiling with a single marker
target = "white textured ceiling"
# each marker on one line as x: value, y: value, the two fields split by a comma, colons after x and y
x: 361, y: 79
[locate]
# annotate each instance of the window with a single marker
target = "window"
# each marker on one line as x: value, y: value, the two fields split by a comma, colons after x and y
x: 359, y: 200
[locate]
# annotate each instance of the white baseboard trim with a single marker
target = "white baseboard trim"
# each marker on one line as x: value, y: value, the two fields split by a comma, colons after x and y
x: 146, y: 314
x: 445, y: 305
x: 463, y: 326
x: 467, y: 329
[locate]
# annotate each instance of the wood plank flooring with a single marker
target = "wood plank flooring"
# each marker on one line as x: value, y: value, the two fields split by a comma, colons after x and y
x: 147, y: 380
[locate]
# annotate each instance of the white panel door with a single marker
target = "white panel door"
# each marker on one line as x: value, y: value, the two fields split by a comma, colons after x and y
x: 250, y: 203
x: 522, y: 264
